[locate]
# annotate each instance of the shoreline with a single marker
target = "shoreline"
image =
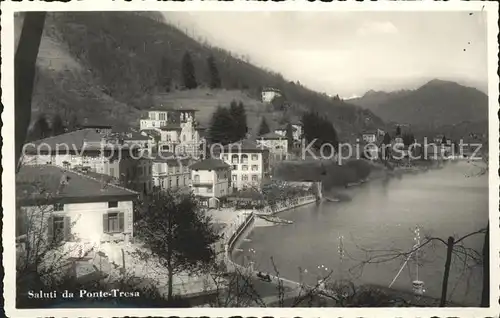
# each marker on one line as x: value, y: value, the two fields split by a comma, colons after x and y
x: 377, y: 174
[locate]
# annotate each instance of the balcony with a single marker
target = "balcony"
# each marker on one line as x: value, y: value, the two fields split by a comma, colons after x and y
x: 202, y: 183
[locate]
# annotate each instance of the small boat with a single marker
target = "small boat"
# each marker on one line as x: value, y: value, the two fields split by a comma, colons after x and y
x: 332, y: 199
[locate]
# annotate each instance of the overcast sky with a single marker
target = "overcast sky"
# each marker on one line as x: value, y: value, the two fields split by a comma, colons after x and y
x: 349, y: 53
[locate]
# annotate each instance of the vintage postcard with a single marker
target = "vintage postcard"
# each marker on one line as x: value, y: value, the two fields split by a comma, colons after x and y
x: 250, y: 158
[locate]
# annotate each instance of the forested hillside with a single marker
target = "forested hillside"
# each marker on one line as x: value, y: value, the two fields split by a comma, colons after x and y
x: 111, y: 65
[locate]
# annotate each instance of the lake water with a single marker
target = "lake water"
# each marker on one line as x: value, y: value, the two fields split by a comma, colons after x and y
x: 382, y: 215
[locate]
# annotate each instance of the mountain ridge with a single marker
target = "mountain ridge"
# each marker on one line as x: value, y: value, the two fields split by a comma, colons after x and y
x: 435, y: 103
x: 111, y: 70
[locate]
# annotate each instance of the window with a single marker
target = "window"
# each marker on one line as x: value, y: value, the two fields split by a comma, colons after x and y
x: 112, y: 204
x: 113, y: 222
x: 170, y: 183
x: 235, y: 177
x: 112, y: 172
x: 225, y: 157
x: 255, y: 167
x: 234, y: 159
x: 58, y: 228
x: 170, y: 169
x: 235, y: 167
x: 209, y: 190
x: 244, y: 158
x: 196, y: 178
x: 162, y: 116
x: 255, y: 157
x: 244, y: 168
x: 176, y: 181
x: 255, y: 177
x: 244, y: 177
x: 58, y: 207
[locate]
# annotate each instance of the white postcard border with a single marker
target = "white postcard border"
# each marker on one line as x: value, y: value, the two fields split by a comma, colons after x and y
x: 8, y: 177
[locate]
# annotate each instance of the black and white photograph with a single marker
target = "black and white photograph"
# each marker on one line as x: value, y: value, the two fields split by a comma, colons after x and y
x: 312, y: 160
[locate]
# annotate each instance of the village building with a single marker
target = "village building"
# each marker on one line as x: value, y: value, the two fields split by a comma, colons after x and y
x: 249, y: 163
x: 269, y: 93
x: 211, y: 181
x: 177, y: 131
x: 277, y: 145
x: 139, y: 140
x: 67, y: 206
x: 297, y: 131
x: 88, y: 150
x: 169, y: 171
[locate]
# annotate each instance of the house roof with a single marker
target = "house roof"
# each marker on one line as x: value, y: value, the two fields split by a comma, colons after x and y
x: 245, y: 146
x: 370, y: 132
x: 271, y: 135
x: 42, y: 185
x: 169, y: 157
x: 171, y: 126
x: 209, y: 164
x: 74, y: 140
x: 153, y: 132
x: 136, y: 136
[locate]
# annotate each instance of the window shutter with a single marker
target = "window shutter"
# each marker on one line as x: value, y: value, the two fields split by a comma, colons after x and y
x: 121, y: 221
x: 50, y: 229
x: 67, y: 228
x: 105, y: 223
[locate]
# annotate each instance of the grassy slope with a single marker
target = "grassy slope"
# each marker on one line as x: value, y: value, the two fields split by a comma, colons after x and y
x: 105, y: 65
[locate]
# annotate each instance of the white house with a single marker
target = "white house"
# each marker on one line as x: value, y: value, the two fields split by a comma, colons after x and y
x: 249, y: 163
x: 169, y: 171
x: 370, y: 136
x: 211, y: 180
x: 268, y: 94
x: 54, y: 204
x: 297, y: 131
x: 177, y: 131
x: 277, y: 145
x: 157, y: 118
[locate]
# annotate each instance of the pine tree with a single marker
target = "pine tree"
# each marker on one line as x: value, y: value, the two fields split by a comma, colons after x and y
x: 73, y: 123
x: 188, y: 72
x: 238, y: 113
x: 222, y: 127
x: 264, y: 127
x: 164, y: 75
x: 215, y: 81
x: 289, y: 135
x: 57, y: 125
x: 398, y: 131
x: 387, y: 139
x: 41, y: 128
x: 443, y: 141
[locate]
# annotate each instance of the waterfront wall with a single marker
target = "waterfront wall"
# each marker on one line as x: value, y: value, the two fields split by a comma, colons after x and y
x: 287, y: 205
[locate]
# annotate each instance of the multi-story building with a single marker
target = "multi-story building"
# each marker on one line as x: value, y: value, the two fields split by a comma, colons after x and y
x: 277, y: 145
x: 211, y: 181
x: 178, y: 131
x: 269, y: 93
x: 87, y: 150
x: 249, y: 163
x: 157, y: 118
x: 67, y: 206
x: 138, y: 140
x: 297, y: 131
x: 370, y: 136
x: 170, y: 172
